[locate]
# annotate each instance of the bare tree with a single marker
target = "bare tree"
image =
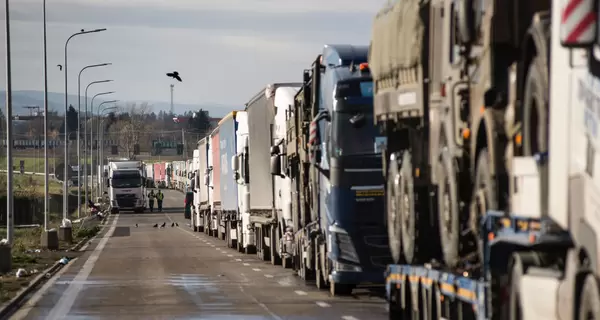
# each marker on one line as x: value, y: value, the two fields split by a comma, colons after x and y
x: 131, y: 129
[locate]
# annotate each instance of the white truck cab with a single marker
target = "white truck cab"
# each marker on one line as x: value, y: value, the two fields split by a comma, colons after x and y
x: 125, y: 183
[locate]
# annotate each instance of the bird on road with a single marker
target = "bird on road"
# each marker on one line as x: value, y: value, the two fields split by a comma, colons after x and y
x: 172, y: 224
x: 174, y: 75
x: 155, y: 225
x: 59, y: 67
x: 136, y: 225
x: 176, y: 224
x: 163, y: 225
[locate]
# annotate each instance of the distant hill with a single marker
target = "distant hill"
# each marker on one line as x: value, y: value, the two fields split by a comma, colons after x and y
x: 22, y: 98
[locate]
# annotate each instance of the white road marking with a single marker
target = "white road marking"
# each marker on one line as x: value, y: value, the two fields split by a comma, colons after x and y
x: 239, y: 260
x: 218, y: 249
x: 323, y: 304
x: 300, y: 293
x: 268, y: 276
x: 256, y: 269
x: 231, y: 256
x: 246, y: 264
x: 64, y: 305
x: 349, y: 318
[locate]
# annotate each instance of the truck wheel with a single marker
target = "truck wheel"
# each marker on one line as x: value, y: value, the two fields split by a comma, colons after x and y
x: 240, y: 242
x: 407, y: 208
x: 227, y: 234
x: 513, y: 306
x: 265, y: 253
x: 483, y: 198
x: 319, y: 267
x: 589, y: 302
x: 535, y: 109
x: 394, y: 224
x: 394, y: 304
x: 233, y: 227
x: 340, y: 289
x: 435, y: 303
x: 275, y: 258
x: 536, y: 119
x: 448, y: 210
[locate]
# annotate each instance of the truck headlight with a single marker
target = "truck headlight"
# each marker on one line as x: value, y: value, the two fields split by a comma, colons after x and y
x: 346, y: 249
x: 338, y: 266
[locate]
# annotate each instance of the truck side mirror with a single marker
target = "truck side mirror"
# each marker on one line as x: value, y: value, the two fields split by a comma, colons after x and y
x: 105, y: 174
x: 207, y: 180
x: 276, y: 166
x: 235, y: 165
x: 275, y: 150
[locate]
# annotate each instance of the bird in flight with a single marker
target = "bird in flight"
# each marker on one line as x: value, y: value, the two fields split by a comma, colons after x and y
x: 174, y: 75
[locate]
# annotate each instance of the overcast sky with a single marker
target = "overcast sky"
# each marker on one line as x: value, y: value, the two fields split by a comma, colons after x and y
x: 225, y: 50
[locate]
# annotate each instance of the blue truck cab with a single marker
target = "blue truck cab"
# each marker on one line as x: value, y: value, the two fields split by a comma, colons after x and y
x: 347, y: 160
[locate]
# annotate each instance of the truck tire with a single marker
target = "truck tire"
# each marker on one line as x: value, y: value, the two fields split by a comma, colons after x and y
x: 394, y: 223
x: 233, y: 227
x: 483, y: 198
x: 589, y: 302
x: 227, y: 234
x: 448, y: 209
x: 275, y: 258
x: 536, y: 119
x: 513, y: 306
x: 319, y: 266
x: 395, y: 311
x: 407, y: 209
x: 535, y: 109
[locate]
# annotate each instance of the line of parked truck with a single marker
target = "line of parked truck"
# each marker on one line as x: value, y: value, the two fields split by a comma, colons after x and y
x: 422, y: 162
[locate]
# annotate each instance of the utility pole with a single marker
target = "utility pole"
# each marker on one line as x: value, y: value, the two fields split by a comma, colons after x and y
x: 172, y: 107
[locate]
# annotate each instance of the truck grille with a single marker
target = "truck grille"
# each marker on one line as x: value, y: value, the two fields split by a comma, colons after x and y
x: 126, y: 200
x: 374, y: 245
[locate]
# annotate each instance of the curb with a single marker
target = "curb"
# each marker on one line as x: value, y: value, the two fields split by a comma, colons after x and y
x: 7, y: 309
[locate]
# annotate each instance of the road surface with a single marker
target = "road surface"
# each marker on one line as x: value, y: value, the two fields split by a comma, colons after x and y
x: 174, y: 273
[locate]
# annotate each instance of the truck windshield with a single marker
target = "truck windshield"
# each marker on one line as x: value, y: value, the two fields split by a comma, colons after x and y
x: 354, y: 133
x: 126, y: 180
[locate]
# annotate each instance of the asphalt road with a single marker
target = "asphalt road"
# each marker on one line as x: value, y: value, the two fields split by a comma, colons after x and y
x: 173, y: 273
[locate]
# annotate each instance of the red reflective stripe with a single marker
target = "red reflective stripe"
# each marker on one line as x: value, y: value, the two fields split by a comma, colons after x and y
x: 571, y: 6
x: 583, y: 25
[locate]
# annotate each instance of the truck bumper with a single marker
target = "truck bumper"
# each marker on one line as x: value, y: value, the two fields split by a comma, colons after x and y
x: 353, y: 277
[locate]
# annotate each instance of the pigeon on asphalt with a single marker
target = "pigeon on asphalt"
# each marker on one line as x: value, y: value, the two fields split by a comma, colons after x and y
x: 176, y: 224
x: 155, y: 225
x: 136, y: 225
x: 174, y: 75
x: 163, y: 225
x: 172, y: 224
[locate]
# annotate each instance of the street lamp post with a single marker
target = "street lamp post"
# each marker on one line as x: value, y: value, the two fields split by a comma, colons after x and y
x: 92, y: 132
x: 100, y: 145
x: 101, y: 151
x: 6, y: 258
x: 65, y: 183
x: 86, y: 139
x: 79, y: 135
